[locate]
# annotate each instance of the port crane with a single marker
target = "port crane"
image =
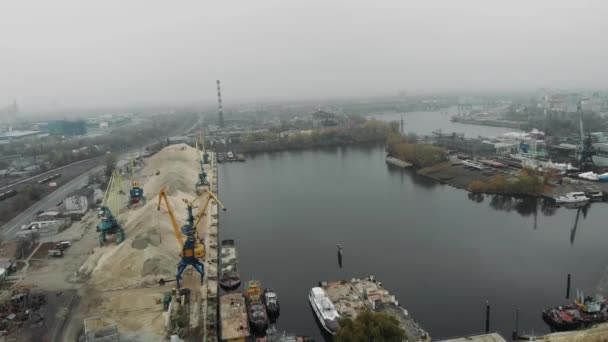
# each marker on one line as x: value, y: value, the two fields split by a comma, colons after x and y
x: 193, y: 247
x: 110, y: 206
x: 587, y: 150
x: 203, y: 158
x: 136, y: 194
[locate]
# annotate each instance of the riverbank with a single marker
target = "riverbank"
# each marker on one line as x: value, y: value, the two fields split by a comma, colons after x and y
x: 367, y: 131
x: 460, y: 176
x: 495, y: 122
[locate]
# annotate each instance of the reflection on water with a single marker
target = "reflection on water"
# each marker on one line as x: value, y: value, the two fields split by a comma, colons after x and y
x: 524, y: 206
x: 527, y: 206
x: 584, y: 210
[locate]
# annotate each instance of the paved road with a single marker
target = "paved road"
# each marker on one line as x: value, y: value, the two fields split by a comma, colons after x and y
x: 11, y: 228
x: 7, y: 187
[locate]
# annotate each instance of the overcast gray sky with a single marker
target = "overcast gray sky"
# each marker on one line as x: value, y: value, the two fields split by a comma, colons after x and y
x: 117, y: 52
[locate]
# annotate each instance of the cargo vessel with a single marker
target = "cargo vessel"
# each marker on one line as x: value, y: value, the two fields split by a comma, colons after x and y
x: 229, y: 272
x: 258, y: 318
x: 233, y: 318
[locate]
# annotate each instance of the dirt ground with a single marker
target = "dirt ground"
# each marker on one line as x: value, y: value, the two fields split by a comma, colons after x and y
x: 120, y: 282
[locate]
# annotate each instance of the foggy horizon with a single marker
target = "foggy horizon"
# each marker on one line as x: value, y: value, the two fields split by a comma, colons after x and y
x: 66, y: 54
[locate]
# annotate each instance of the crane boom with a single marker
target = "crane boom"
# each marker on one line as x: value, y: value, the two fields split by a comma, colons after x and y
x: 163, y: 195
x: 202, y: 212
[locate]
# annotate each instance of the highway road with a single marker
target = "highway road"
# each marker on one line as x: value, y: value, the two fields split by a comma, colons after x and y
x: 9, y: 186
x: 11, y: 228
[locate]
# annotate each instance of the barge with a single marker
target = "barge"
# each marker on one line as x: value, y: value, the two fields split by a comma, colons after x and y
x: 233, y: 318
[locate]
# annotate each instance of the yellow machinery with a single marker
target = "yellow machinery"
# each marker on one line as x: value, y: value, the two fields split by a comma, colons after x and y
x: 190, y: 227
x: 193, y: 248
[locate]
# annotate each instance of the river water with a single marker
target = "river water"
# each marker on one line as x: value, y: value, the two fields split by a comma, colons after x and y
x: 442, y: 252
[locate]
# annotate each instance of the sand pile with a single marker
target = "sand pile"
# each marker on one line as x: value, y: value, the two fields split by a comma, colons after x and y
x: 150, y: 251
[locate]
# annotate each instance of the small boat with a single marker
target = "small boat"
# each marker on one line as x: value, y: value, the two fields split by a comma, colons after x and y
x: 271, y: 302
x: 229, y: 271
x: 258, y: 318
x: 591, y: 176
x: 594, y: 195
x: 572, y: 198
x: 324, y: 310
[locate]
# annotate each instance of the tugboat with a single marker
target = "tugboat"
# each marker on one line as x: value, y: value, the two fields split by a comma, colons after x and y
x: 229, y: 272
x: 584, y: 313
x: 272, y: 303
x: 258, y: 318
x: 324, y: 310
x: 563, y: 318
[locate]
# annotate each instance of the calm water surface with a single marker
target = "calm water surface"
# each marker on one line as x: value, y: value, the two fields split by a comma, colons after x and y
x: 441, y: 252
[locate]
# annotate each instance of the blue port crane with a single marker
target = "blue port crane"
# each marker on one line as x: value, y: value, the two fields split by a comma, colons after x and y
x: 136, y: 194
x: 109, y: 209
x: 202, y: 158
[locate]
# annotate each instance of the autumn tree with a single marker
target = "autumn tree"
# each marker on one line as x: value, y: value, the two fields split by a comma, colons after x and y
x: 370, y: 327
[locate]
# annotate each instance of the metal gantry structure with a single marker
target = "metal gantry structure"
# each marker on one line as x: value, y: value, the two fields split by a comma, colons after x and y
x: 136, y: 194
x: 109, y: 211
x: 202, y: 158
x: 192, y: 246
x: 587, y: 149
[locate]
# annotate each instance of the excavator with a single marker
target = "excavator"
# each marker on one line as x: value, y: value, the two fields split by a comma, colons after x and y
x: 110, y: 206
x: 203, y: 158
x: 193, y: 247
x: 136, y: 194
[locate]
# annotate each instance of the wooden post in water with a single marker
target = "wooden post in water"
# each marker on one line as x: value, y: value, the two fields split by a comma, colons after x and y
x: 568, y: 286
x: 487, y: 317
x: 516, y: 331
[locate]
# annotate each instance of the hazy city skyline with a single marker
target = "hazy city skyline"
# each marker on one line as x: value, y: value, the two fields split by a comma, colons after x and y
x: 67, y: 53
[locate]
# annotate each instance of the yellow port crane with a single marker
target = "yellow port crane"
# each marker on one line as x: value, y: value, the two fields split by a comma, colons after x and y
x: 193, y: 249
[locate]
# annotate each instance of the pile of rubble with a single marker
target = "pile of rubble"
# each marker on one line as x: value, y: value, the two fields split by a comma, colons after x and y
x: 21, y: 310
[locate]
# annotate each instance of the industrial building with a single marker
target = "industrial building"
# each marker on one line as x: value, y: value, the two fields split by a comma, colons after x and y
x: 14, y: 135
x: 67, y: 128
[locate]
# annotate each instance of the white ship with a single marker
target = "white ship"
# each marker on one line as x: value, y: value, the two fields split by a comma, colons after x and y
x: 324, y: 309
x: 572, y: 198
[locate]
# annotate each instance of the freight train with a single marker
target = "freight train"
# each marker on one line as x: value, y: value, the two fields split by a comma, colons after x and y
x: 7, y: 194
x: 49, y: 178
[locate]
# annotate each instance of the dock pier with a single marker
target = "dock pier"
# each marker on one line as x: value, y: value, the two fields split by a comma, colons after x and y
x: 358, y: 295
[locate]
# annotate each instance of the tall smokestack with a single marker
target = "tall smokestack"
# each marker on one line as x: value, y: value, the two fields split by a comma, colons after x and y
x: 220, y: 111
